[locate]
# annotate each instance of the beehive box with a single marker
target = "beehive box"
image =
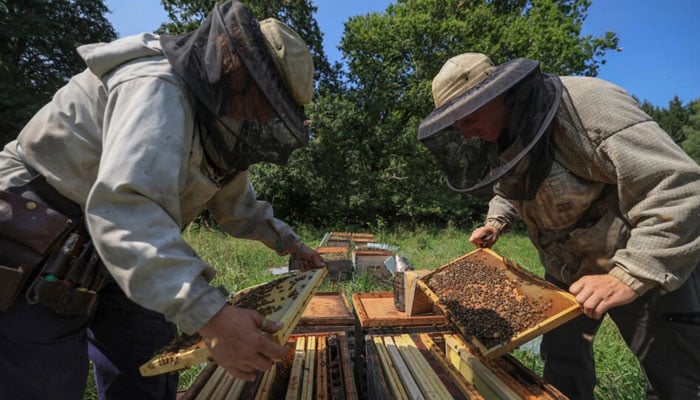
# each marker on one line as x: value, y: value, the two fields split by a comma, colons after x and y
x: 329, y: 312
x: 502, y: 377
x: 376, y: 313
x: 495, y: 303
x: 338, y: 259
x: 338, y: 239
x: 318, y: 366
x: 440, y: 365
x: 346, y: 239
x: 339, y: 262
x: 412, y: 366
x: 327, y: 309
x: 371, y: 262
x: 362, y: 239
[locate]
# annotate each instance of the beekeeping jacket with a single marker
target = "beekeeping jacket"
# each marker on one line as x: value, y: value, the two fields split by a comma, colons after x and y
x: 120, y: 140
x: 621, y: 198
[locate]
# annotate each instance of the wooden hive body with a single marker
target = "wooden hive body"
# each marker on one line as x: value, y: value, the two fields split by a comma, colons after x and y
x: 318, y: 366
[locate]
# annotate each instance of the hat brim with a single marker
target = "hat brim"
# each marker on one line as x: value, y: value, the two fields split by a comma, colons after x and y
x: 495, y: 174
x: 249, y: 44
x: 196, y: 57
x: 504, y: 77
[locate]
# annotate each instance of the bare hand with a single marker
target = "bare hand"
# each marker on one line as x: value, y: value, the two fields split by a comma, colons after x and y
x: 309, y: 257
x: 236, y: 339
x: 599, y: 293
x: 485, y: 236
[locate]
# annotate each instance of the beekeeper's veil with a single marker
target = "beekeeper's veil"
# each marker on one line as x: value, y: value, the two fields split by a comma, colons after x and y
x: 516, y: 163
x: 279, y: 63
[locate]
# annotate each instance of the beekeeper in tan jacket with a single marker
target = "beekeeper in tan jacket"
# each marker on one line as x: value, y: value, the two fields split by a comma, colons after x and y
x: 611, y: 203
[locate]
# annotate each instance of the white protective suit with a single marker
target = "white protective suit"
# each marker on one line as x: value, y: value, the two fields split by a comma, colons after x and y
x: 120, y: 140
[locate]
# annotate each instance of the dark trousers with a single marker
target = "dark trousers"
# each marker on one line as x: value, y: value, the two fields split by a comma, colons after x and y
x: 661, y: 329
x: 45, y: 356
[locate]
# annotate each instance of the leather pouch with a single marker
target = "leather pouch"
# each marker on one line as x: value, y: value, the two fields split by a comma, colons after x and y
x: 69, y: 285
x: 63, y: 298
x: 28, y: 232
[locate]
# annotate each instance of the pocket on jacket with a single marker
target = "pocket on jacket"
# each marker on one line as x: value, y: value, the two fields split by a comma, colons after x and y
x: 599, y: 242
x: 562, y: 199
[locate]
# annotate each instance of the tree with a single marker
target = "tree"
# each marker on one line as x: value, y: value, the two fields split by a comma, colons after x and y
x: 674, y: 118
x: 671, y: 119
x: 364, y: 164
x: 365, y: 136
x: 38, y: 39
x: 691, y: 132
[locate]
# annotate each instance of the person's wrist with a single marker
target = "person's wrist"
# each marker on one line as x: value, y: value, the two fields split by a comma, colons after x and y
x: 495, y: 223
x: 639, y: 285
x: 297, y: 252
x: 295, y: 249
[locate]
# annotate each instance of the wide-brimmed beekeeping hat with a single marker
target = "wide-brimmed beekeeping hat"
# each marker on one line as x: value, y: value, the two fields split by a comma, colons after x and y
x: 280, y: 64
x: 465, y: 84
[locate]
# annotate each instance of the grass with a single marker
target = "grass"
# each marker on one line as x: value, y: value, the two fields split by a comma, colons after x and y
x: 242, y: 263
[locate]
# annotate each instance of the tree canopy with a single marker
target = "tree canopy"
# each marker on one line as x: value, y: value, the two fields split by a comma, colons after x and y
x: 691, y: 132
x: 365, y: 163
x: 38, y: 39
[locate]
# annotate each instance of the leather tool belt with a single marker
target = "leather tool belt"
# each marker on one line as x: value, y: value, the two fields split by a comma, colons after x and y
x: 48, y: 248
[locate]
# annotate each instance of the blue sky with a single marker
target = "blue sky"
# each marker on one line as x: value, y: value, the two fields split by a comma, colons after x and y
x: 659, y: 39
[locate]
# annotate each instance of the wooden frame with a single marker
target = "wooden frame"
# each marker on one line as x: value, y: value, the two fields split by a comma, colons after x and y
x: 327, y: 309
x: 407, y: 366
x: 289, y: 299
x: 564, y: 306
x: 501, y: 378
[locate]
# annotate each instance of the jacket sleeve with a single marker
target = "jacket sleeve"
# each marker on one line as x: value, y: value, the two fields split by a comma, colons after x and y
x: 659, y: 191
x: 658, y: 184
x: 238, y: 211
x: 501, y: 214
x: 133, y: 208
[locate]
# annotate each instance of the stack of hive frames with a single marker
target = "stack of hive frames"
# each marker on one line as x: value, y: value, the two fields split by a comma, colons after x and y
x: 328, y: 312
x: 502, y: 377
x: 427, y: 365
x: 376, y: 314
x: 318, y: 366
x: 411, y: 366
